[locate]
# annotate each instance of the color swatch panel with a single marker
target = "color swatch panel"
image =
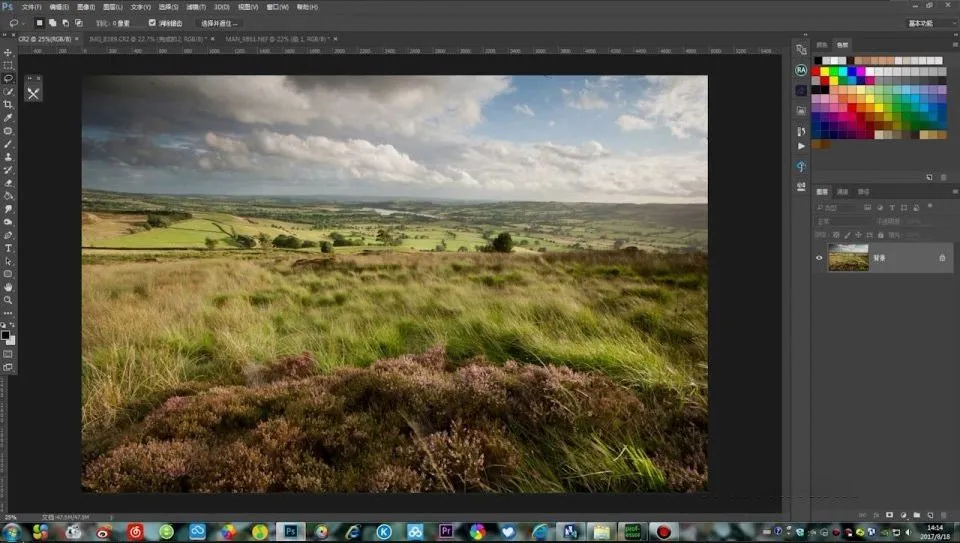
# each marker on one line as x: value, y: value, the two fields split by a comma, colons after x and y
x: 892, y: 100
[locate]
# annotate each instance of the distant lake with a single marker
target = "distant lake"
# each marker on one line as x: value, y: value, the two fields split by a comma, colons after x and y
x: 387, y: 212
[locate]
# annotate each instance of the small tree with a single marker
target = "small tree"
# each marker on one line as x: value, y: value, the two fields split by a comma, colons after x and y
x: 247, y: 242
x: 463, y: 249
x: 326, y: 247
x: 339, y: 240
x: 309, y: 244
x: 503, y: 243
x: 157, y: 221
x: 264, y: 239
x: 211, y: 243
x: 440, y: 248
x: 284, y: 241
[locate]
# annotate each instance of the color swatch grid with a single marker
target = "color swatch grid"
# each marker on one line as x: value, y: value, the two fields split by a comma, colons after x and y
x: 894, y: 98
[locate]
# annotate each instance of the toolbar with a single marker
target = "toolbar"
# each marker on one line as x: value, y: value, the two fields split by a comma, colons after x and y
x: 466, y: 15
x: 9, y: 176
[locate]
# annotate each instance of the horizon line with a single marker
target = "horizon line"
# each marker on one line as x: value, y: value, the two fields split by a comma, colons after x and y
x: 409, y: 198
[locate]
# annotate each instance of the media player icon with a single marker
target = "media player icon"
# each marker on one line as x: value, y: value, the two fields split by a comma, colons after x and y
x: 384, y: 532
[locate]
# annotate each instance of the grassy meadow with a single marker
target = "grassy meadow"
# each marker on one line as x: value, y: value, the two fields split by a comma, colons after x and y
x: 408, y: 358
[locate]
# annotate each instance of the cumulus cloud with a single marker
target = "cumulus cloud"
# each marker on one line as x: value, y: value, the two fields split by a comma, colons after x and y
x: 547, y: 169
x: 551, y: 169
x: 145, y: 153
x: 407, y: 105
x: 356, y: 158
x: 677, y: 102
x: 524, y: 109
x: 391, y: 135
x: 629, y: 123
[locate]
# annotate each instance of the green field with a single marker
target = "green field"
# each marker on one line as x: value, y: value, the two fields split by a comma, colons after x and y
x: 396, y: 363
x: 424, y: 225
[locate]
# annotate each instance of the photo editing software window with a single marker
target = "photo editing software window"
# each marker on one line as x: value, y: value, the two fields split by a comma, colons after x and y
x: 530, y: 270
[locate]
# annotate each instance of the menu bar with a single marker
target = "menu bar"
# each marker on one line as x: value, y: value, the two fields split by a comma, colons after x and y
x: 491, y: 15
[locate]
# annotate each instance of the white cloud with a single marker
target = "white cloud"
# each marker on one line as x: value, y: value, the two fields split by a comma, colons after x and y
x: 604, y: 81
x: 586, y: 99
x: 556, y: 171
x: 589, y: 149
x: 406, y: 105
x: 357, y: 159
x: 524, y: 109
x: 382, y: 132
x: 678, y: 103
x: 226, y: 145
x: 544, y: 170
x: 629, y: 123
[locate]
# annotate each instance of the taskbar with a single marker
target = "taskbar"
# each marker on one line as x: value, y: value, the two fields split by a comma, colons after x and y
x: 477, y: 531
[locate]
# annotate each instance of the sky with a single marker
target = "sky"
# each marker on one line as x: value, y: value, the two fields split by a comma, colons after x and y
x: 637, y: 139
x: 849, y: 248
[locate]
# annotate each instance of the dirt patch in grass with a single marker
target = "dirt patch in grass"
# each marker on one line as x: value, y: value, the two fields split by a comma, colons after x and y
x: 417, y: 423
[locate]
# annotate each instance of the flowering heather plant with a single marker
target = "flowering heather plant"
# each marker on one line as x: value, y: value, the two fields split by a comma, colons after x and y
x: 416, y: 423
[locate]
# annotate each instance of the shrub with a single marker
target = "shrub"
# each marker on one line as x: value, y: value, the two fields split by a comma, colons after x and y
x: 157, y: 221
x: 417, y: 423
x: 247, y: 242
x: 211, y: 243
x: 309, y: 244
x: 503, y: 243
x: 326, y: 247
x: 284, y: 241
